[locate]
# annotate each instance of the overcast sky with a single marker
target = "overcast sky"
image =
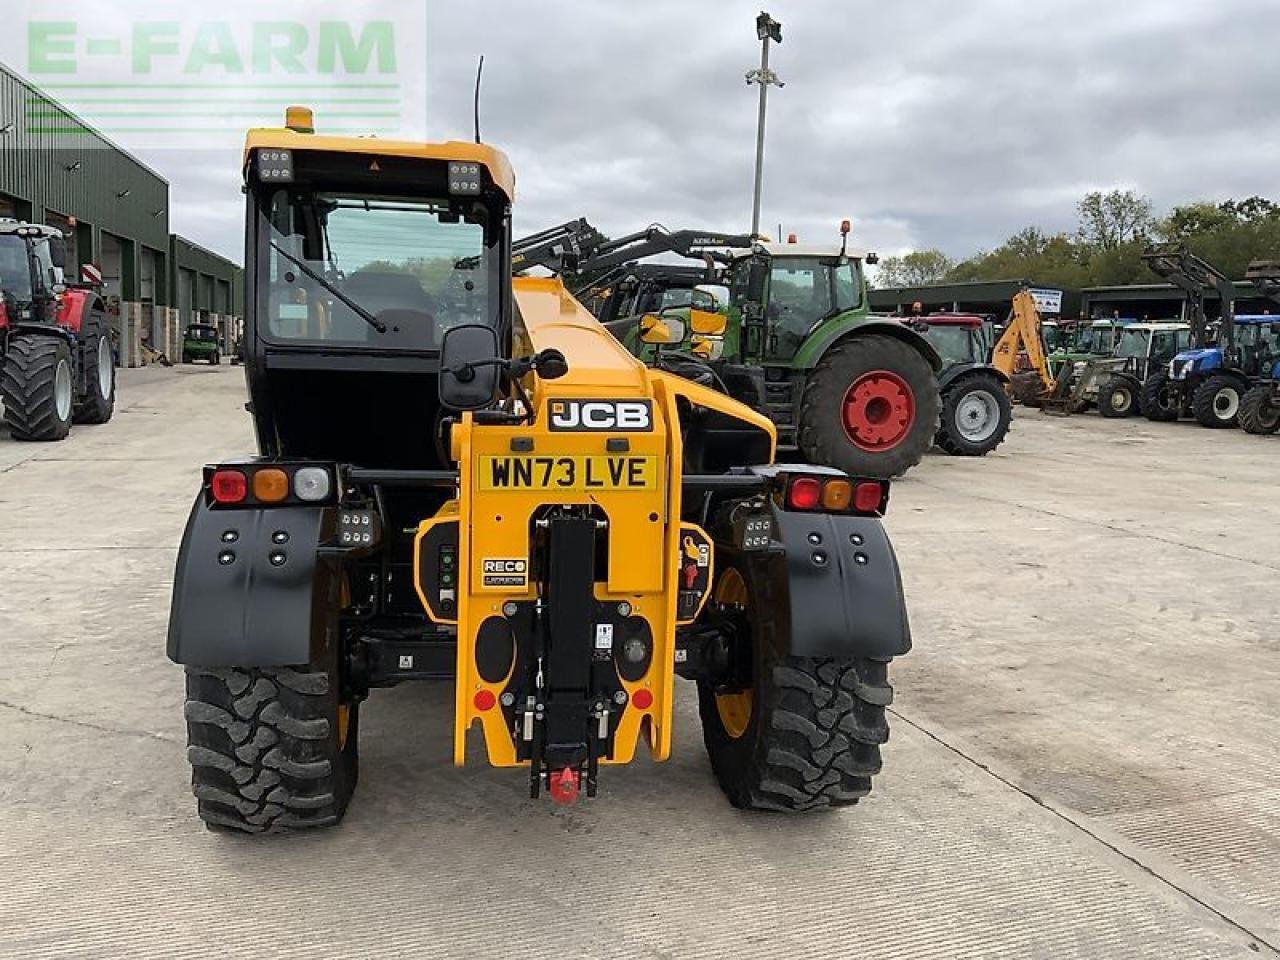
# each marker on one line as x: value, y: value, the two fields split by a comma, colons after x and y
x: 928, y: 122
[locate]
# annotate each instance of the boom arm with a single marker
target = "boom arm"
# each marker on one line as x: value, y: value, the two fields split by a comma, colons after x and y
x: 1265, y: 275
x: 1194, y: 276
x: 657, y: 239
x: 559, y: 249
x: 1023, y: 333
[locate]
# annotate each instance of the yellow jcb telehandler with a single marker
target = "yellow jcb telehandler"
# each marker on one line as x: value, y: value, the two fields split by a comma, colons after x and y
x: 465, y: 478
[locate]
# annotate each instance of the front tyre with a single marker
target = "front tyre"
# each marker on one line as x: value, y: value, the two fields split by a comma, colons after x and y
x: 975, y: 417
x: 804, y: 733
x: 37, y: 384
x: 1259, y: 411
x: 271, y: 749
x: 1160, y: 398
x: 1118, y: 398
x: 1216, y: 402
x: 870, y: 407
x: 99, y: 370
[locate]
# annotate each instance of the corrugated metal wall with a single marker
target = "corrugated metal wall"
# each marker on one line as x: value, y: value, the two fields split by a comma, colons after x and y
x: 216, y: 279
x: 37, y: 150
x: 56, y: 167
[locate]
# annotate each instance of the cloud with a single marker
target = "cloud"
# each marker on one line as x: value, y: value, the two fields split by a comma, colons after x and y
x: 929, y: 123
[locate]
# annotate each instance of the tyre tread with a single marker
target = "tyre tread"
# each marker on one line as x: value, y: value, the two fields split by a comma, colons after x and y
x: 261, y: 752
x: 27, y: 387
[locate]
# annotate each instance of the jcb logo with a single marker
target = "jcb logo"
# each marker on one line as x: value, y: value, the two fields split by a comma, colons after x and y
x: 590, y: 415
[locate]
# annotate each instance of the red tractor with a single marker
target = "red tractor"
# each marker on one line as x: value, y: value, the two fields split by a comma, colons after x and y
x: 58, y: 366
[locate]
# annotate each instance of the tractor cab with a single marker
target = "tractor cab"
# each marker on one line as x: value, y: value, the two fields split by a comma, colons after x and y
x: 791, y: 291
x: 31, y: 270
x: 958, y: 338
x: 359, y: 262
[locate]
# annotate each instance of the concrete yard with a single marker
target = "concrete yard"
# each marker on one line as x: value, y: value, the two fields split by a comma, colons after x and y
x: 1085, y: 758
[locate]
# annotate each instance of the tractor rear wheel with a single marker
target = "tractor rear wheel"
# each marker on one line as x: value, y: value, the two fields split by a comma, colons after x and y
x: 98, y: 366
x: 1259, y: 411
x: 870, y: 407
x: 1160, y: 398
x: 1216, y: 402
x: 1118, y: 398
x: 271, y: 749
x: 805, y: 734
x: 37, y: 385
x: 975, y: 417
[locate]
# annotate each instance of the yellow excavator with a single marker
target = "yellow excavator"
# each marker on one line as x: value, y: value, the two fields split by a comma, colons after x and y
x: 1021, y: 338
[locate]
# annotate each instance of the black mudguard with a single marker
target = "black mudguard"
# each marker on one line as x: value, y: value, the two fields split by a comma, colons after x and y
x: 251, y: 612
x: 957, y: 370
x: 848, y: 602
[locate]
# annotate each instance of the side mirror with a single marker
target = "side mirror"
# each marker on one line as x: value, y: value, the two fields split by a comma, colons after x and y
x: 757, y: 279
x: 661, y: 330
x: 58, y: 252
x: 468, y: 367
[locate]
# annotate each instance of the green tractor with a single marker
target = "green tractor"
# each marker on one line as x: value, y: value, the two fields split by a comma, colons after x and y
x: 790, y: 333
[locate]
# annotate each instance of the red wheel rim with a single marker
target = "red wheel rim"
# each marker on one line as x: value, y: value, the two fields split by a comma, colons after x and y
x: 878, y: 412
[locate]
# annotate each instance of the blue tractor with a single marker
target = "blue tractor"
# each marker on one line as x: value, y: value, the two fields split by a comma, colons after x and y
x: 1209, y: 381
x: 1260, y: 406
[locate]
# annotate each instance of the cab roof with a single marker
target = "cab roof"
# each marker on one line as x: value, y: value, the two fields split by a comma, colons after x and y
x: 951, y: 319
x: 800, y: 250
x: 9, y: 226
x: 491, y: 158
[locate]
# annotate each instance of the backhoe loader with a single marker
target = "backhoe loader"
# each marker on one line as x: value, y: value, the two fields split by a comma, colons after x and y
x: 462, y: 477
x: 1021, y: 337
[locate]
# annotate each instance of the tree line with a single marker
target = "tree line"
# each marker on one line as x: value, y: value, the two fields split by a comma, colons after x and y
x: 1113, y: 230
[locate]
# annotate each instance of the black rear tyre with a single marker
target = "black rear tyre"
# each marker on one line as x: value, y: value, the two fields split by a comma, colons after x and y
x: 807, y: 734
x: 1118, y: 398
x: 1160, y: 398
x: 1259, y: 411
x: 870, y: 407
x: 37, y: 384
x: 98, y: 366
x: 271, y: 749
x: 1216, y: 402
x: 975, y: 416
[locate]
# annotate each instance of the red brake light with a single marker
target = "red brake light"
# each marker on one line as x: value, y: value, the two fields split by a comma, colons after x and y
x: 229, y: 486
x: 484, y: 700
x: 867, y: 497
x: 805, y: 493
x: 642, y: 700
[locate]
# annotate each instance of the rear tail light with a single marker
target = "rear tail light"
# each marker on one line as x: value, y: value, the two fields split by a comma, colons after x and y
x: 827, y: 494
x: 837, y: 495
x: 271, y: 485
x: 229, y: 486
x: 312, y: 484
x: 869, y: 496
x: 804, y: 493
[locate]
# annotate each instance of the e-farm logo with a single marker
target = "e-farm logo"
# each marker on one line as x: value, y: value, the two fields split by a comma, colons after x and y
x: 215, y: 75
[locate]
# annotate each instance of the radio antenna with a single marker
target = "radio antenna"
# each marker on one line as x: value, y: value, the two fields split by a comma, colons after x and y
x: 479, y: 74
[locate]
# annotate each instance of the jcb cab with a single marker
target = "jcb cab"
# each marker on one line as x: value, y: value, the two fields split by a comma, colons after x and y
x: 467, y: 479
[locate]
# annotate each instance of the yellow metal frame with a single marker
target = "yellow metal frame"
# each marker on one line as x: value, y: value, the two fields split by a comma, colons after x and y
x: 645, y: 528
